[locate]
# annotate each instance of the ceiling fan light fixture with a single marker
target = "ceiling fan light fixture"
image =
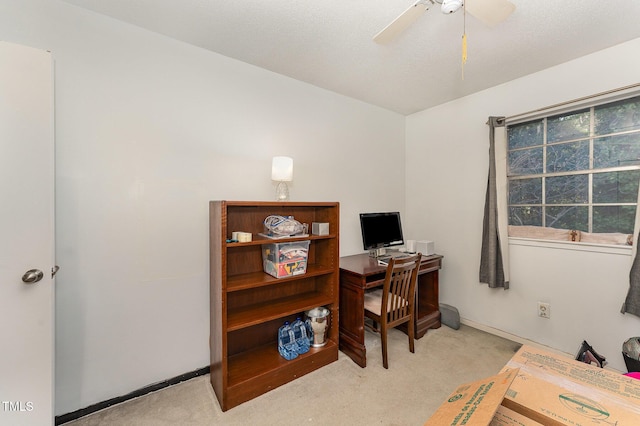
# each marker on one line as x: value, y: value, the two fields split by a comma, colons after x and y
x: 451, y: 6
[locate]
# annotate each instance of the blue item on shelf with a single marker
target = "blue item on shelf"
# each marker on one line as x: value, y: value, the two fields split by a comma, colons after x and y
x: 301, y: 336
x: 287, y: 345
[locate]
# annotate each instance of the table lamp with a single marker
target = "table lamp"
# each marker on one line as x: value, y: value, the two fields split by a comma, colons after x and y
x: 282, y: 172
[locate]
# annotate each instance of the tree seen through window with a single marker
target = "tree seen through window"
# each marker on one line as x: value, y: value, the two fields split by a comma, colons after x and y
x: 578, y: 170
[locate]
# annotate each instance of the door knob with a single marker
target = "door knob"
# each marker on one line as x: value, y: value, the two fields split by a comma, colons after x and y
x: 32, y: 276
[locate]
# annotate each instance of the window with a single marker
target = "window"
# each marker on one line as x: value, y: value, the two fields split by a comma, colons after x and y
x: 576, y: 171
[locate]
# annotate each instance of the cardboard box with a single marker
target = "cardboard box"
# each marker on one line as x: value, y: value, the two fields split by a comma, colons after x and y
x: 551, y: 389
x: 285, y: 259
x: 473, y: 403
x: 507, y: 417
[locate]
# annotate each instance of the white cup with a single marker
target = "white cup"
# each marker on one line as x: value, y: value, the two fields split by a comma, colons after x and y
x: 411, y: 246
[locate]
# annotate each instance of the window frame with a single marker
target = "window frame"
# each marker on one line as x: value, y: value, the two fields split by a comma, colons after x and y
x: 583, y: 105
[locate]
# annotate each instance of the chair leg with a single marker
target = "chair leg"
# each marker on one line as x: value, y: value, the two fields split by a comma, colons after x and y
x: 411, y: 327
x: 383, y: 338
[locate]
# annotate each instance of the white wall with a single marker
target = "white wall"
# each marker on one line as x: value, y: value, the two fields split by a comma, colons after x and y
x: 447, y: 166
x: 148, y: 130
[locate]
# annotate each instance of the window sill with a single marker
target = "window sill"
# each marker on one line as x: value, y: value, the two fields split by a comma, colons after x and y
x: 567, y: 245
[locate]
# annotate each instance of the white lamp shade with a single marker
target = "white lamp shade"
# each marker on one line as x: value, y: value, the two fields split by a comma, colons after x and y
x: 282, y: 169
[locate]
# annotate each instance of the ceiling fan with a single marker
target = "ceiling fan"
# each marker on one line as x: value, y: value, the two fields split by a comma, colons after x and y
x: 491, y: 12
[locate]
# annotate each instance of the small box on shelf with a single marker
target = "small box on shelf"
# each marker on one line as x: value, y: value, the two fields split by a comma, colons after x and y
x: 319, y: 228
x: 285, y: 259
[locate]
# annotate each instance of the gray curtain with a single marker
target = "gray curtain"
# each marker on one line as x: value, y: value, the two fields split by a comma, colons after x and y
x: 491, y: 261
x: 632, y: 302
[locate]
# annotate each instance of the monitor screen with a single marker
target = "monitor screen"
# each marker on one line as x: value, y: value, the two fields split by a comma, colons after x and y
x: 381, y: 230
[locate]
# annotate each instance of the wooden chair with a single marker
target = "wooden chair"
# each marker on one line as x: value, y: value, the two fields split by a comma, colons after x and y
x: 398, y: 295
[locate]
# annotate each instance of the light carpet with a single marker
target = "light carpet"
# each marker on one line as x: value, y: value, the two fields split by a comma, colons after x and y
x: 340, y: 393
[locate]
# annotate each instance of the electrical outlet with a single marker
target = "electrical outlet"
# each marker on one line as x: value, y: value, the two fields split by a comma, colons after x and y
x: 544, y: 310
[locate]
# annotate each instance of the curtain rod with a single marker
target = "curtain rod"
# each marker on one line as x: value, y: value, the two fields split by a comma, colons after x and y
x: 582, y: 99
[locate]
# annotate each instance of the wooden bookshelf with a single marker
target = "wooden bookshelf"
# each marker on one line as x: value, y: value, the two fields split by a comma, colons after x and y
x: 248, y: 305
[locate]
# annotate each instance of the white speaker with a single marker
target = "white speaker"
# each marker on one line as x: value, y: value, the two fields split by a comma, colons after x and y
x: 427, y: 248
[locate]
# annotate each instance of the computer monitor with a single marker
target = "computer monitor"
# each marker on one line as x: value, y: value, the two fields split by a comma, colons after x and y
x: 381, y: 230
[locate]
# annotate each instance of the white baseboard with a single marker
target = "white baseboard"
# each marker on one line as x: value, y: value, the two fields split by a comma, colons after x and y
x: 521, y: 340
x: 512, y: 337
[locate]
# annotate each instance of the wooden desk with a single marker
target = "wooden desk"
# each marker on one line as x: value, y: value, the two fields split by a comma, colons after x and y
x: 361, y: 272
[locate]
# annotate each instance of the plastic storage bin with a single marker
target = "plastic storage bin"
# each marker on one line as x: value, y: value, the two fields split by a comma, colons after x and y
x: 285, y: 259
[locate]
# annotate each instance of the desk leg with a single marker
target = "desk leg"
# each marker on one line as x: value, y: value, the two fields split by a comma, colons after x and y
x: 352, y: 319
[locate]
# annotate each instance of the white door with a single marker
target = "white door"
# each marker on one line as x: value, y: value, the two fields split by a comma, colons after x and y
x: 26, y: 236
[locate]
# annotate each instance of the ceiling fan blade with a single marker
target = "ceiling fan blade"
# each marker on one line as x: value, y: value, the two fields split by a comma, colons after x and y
x: 490, y: 12
x: 402, y: 22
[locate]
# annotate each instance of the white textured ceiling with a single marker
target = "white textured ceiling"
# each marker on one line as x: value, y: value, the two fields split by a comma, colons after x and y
x: 328, y: 43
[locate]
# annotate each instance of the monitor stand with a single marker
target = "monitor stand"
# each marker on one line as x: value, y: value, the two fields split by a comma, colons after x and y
x: 375, y: 253
x: 386, y: 253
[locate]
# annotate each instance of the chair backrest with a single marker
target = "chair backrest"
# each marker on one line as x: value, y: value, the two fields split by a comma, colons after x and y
x: 398, y: 293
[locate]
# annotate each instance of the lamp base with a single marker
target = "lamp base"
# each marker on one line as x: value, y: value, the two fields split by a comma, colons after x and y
x: 282, y: 192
